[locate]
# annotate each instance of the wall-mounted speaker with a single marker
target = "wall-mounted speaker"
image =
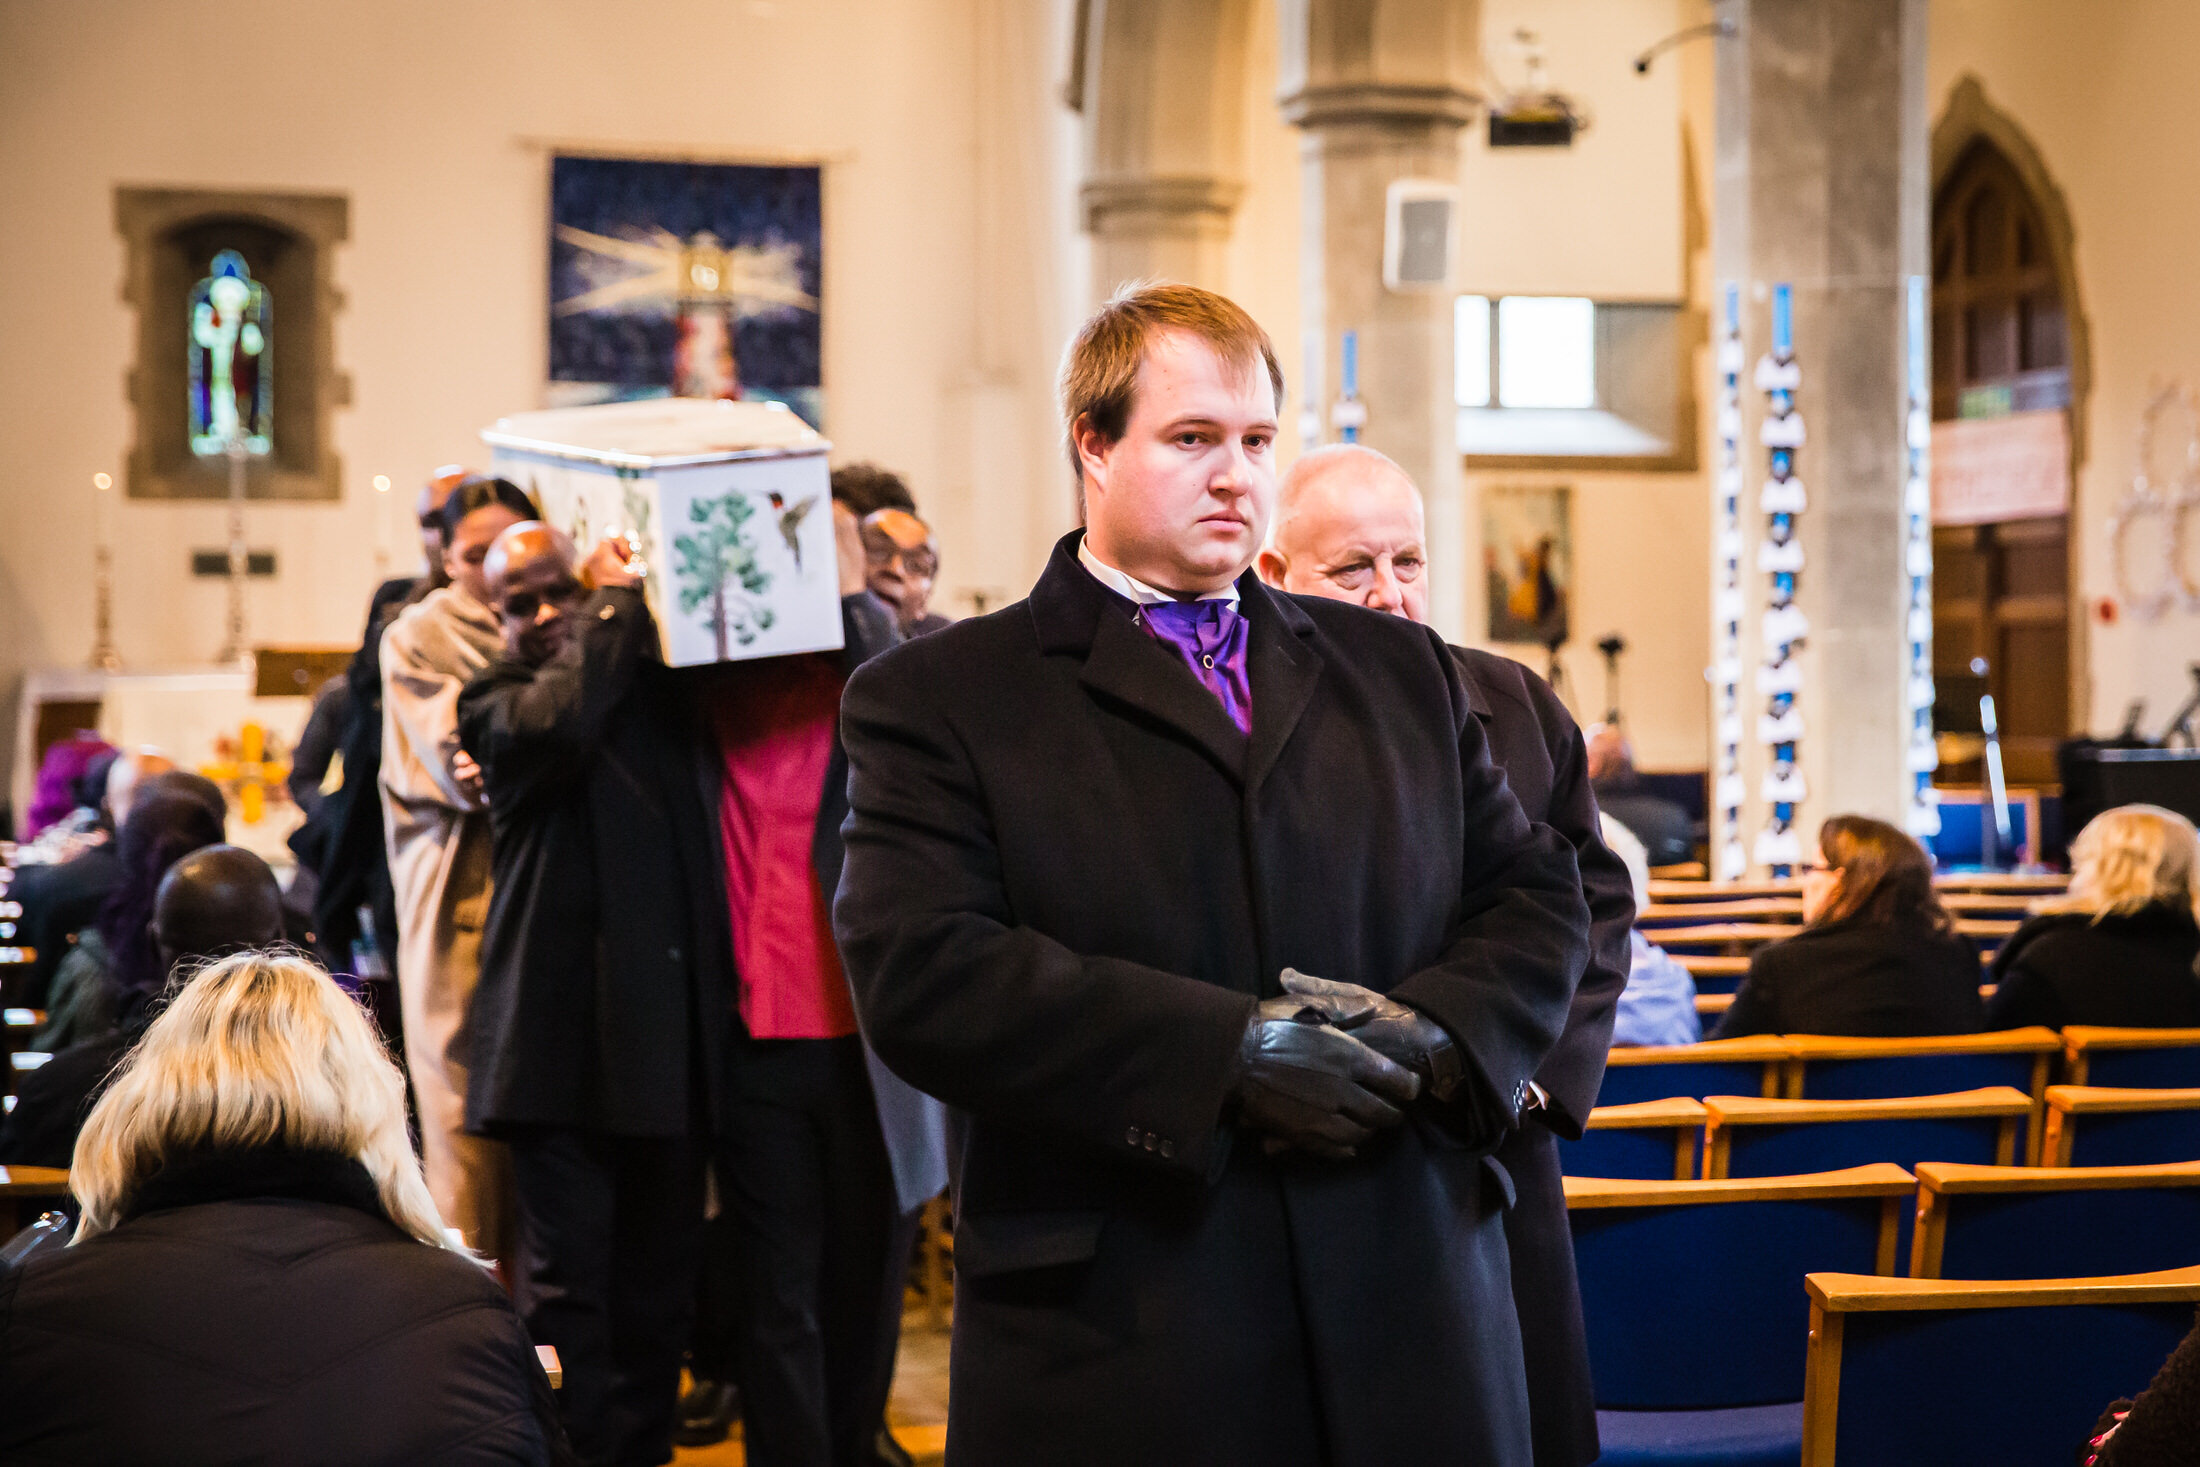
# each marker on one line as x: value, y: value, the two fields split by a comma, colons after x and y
x: 1420, y: 234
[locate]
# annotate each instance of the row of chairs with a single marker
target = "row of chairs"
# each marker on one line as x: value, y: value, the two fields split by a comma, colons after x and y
x: 1751, y: 1136
x: 1747, y: 1321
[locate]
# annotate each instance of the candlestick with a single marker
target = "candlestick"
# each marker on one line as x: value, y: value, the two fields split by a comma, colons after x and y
x: 104, y: 657
x: 381, y: 526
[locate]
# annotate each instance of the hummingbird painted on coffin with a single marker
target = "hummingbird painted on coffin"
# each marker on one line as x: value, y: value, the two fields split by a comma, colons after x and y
x: 790, y: 521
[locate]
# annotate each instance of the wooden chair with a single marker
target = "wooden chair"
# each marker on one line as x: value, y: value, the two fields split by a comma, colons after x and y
x: 2036, y: 883
x: 1735, y: 935
x: 1748, y: 1137
x: 1691, y: 1293
x: 1959, y: 1371
x: 1649, y: 1140
x: 1749, y: 1066
x: 25, y: 1191
x: 1830, y: 1068
x: 1664, y: 889
x: 2089, y: 1125
x: 2028, y: 1222
x: 1761, y: 908
x: 2147, y: 1059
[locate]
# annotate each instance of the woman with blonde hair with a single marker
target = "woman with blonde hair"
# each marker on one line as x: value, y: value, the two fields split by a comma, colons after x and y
x: 2119, y: 948
x: 260, y: 1273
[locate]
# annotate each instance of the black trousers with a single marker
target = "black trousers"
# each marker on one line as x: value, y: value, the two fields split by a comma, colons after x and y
x: 609, y: 1232
x: 819, y: 1250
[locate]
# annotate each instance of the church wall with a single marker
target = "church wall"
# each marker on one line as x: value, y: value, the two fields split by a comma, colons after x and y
x: 941, y: 316
x: 2104, y: 93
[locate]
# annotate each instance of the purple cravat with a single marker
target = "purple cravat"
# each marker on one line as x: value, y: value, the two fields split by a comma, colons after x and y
x: 1210, y: 637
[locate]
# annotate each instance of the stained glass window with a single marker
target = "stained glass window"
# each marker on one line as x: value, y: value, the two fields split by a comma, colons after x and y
x: 229, y: 342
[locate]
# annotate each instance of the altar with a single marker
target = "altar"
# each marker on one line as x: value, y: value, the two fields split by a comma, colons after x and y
x: 235, y: 725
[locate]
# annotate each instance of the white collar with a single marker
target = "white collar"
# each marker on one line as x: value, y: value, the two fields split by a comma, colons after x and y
x: 1133, y: 589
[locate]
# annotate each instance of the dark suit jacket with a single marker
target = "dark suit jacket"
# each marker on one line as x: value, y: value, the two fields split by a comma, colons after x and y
x: 1872, y: 980
x: 606, y: 962
x: 2125, y: 972
x: 1069, y: 878
x: 1536, y: 742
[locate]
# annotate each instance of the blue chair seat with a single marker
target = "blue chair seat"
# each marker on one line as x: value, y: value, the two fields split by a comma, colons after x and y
x: 1742, y: 1436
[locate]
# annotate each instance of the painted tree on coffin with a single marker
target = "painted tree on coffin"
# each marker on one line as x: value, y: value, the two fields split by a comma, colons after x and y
x: 717, y: 567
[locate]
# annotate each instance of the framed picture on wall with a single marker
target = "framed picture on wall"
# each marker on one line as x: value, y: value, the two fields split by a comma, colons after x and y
x: 686, y: 279
x: 1528, y: 559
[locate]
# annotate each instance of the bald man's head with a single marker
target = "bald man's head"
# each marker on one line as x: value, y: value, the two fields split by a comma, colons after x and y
x: 534, y: 587
x: 1349, y: 526
x: 216, y: 901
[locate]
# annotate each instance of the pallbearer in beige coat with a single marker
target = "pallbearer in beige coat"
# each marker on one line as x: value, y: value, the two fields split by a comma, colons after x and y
x: 439, y: 853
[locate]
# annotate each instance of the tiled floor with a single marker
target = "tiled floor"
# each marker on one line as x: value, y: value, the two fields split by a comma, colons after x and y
x: 918, y: 1412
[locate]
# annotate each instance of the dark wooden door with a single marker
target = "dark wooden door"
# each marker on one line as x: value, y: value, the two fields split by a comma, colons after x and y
x: 2000, y: 345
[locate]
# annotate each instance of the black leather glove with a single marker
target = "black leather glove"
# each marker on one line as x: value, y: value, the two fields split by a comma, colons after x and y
x: 1395, y: 1030
x: 1308, y: 1085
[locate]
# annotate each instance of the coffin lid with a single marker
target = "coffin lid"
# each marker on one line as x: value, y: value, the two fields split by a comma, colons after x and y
x: 659, y: 432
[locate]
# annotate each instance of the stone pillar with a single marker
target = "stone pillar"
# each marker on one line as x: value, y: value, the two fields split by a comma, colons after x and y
x: 1158, y: 229
x: 1161, y: 84
x: 1379, y: 91
x: 1821, y: 188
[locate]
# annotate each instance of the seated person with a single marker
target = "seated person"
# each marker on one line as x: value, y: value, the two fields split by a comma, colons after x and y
x: 212, y: 903
x: 1663, y: 827
x: 62, y: 900
x: 115, y: 957
x: 1658, y: 1005
x: 2119, y: 948
x: 260, y: 1274
x: 84, y: 823
x: 1878, y: 956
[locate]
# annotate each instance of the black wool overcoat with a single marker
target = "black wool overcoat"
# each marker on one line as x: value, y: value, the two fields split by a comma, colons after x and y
x: 1538, y: 745
x: 1069, y: 879
x: 606, y: 960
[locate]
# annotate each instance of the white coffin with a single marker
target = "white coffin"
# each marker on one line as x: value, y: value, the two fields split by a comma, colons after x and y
x: 728, y: 503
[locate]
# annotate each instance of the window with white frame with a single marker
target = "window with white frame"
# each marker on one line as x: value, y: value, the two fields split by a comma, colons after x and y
x: 1567, y: 377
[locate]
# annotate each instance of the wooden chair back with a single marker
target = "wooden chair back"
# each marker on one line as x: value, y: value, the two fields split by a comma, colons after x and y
x: 2140, y: 1059
x: 2091, y: 1125
x: 1750, y: 1066
x: 1650, y: 1140
x: 1746, y: 1136
x: 1826, y: 1067
x: 1939, y: 1370
x: 2028, y: 1222
x: 1690, y: 1289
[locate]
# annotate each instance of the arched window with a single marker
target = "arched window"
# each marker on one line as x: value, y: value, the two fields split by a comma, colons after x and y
x: 2001, y: 345
x: 1999, y: 338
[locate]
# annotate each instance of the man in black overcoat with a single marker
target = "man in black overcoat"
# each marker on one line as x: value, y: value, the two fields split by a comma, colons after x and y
x: 595, y: 1039
x: 1350, y: 526
x: 1201, y: 1220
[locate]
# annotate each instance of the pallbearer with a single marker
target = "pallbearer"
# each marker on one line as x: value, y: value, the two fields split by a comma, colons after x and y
x: 1201, y: 1220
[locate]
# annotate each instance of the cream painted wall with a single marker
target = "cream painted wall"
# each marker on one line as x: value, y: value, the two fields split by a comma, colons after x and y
x: 946, y: 218
x: 2104, y: 92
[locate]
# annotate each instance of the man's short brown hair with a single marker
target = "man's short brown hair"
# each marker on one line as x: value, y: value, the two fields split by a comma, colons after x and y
x: 1100, y: 369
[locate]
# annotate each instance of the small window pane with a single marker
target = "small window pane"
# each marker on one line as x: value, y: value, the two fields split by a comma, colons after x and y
x: 1470, y: 331
x: 1546, y: 351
